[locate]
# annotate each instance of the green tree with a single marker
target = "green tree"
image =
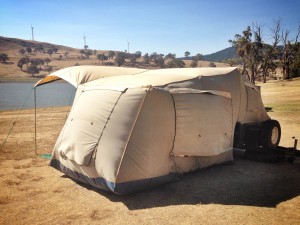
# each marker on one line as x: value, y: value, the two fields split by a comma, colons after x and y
x: 82, y: 52
x: 194, y: 62
x: 39, y: 48
x: 32, y: 69
x: 41, y: 62
x: 289, y: 52
x: 257, y: 57
x: 170, y: 56
x: 146, y: 59
x: 159, y: 61
x: 187, y: 54
x: 66, y: 54
x: 138, y: 54
x: 102, y: 57
x: 22, y: 51
x: 37, y: 62
x: 198, y: 57
x: 296, y: 64
x: 120, y: 58
x: 133, y: 58
x: 34, y: 62
x: 29, y: 50
x: 111, y: 54
x: 245, y: 50
x: 232, y: 62
x: 153, y: 56
x: 175, y: 63
x: 3, y: 57
x: 88, y: 53
x: 55, y: 50
x: 47, y: 60
x: 50, y: 52
x: 23, y: 61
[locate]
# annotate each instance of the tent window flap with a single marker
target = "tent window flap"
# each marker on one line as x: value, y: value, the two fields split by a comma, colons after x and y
x: 203, y: 124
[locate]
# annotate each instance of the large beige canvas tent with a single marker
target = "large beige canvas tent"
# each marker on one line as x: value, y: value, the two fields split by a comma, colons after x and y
x: 131, y: 129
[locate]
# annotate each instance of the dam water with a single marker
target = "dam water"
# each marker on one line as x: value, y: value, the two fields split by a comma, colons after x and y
x: 21, y: 95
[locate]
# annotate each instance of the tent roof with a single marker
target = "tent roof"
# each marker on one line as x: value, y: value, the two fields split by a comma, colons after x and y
x: 160, y: 77
x: 122, y: 76
x: 81, y: 74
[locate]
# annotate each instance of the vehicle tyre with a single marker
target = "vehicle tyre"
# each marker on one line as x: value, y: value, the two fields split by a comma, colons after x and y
x: 291, y: 159
x: 270, y: 134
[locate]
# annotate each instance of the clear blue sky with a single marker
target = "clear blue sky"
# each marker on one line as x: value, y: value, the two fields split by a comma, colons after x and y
x: 176, y: 26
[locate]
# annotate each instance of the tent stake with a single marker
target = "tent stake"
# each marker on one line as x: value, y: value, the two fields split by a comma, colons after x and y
x: 35, y: 145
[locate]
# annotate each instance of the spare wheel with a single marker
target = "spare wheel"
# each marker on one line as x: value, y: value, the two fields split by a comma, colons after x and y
x: 270, y: 134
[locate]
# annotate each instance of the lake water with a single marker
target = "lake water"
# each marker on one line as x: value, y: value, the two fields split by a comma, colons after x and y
x: 14, y: 95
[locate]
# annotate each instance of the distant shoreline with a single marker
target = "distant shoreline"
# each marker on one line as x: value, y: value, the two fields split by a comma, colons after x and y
x: 22, y: 80
x: 18, y: 80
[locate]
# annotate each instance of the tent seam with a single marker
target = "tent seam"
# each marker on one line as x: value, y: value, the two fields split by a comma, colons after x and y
x: 240, y: 103
x: 171, y: 154
x: 105, y: 125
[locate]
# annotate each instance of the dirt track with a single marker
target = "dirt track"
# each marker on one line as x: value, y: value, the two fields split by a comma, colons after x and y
x: 245, y: 192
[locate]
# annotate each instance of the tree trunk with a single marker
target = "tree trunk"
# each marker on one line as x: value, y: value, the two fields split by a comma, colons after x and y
x: 265, y: 70
x: 288, y: 72
x: 252, y: 75
x: 283, y: 72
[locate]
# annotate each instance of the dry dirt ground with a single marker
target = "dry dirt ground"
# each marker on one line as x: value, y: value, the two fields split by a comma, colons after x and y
x: 244, y: 192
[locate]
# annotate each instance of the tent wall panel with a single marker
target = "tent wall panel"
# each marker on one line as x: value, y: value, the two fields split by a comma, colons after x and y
x: 151, y: 141
x: 112, y: 145
x: 255, y: 110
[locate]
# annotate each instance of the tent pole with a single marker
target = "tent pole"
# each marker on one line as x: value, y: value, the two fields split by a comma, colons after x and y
x: 35, y: 145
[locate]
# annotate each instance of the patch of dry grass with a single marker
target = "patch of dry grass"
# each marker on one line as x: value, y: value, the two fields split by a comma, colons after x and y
x: 284, y: 99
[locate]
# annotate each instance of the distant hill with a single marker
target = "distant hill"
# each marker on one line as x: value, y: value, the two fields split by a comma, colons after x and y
x: 9, y: 71
x: 227, y: 53
x: 9, y: 44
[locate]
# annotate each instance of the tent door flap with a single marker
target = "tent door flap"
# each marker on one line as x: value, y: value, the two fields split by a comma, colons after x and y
x: 87, y: 120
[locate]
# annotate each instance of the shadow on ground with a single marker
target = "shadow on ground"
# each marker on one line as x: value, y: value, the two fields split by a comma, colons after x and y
x: 245, y: 183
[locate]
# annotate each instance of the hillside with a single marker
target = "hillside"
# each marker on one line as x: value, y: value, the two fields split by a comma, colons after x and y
x: 227, y: 53
x: 219, y: 56
x: 12, y: 45
x: 9, y: 71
